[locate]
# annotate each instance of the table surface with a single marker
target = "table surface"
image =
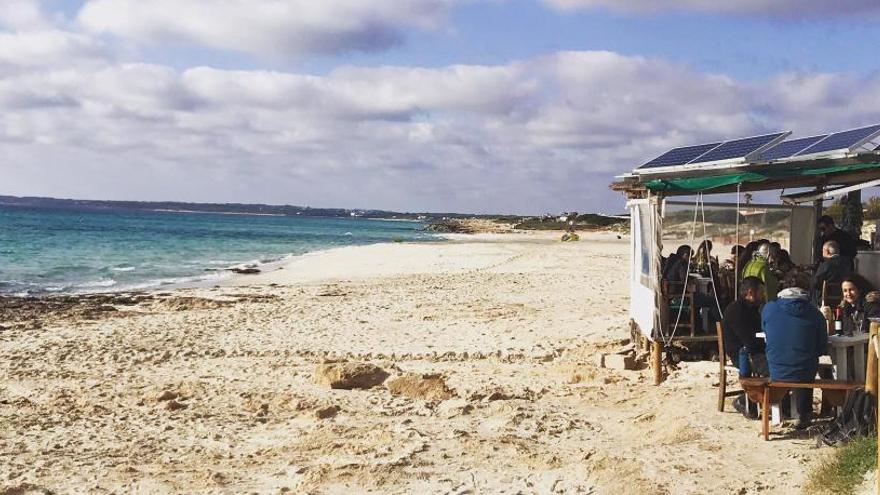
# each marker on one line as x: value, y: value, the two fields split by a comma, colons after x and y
x: 835, y: 340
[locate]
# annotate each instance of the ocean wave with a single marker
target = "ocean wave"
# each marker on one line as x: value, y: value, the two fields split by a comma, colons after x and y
x: 124, y: 269
x: 101, y: 283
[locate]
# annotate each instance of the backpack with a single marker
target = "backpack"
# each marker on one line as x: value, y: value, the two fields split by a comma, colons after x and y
x: 857, y: 417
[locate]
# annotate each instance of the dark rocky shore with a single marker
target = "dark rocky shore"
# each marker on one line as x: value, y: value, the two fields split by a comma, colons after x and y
x: 35, y: 312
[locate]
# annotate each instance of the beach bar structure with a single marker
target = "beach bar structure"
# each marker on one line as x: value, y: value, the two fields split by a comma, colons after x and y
x: 805, y: 171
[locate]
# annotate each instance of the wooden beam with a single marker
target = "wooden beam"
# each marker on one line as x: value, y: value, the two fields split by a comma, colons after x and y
x: 871, y: 375
x: 657, y: 361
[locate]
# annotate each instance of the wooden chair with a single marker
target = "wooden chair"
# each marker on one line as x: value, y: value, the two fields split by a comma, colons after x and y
x: 769, y: 392
x: 722, y: 371
x: 675, y: 301
x: 832, y: 293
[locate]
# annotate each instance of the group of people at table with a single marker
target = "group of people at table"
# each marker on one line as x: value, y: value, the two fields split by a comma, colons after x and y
x: 776, y: 322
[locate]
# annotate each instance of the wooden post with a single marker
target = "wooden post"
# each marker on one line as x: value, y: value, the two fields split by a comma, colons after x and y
x: 872, y: 342
x: 656, y: 361
x: 871, y: 375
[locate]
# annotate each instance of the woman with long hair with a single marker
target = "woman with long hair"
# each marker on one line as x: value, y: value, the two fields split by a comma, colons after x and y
x: 859, y: 302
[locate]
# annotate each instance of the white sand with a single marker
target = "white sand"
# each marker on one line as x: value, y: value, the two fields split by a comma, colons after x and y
x: 513, y: 322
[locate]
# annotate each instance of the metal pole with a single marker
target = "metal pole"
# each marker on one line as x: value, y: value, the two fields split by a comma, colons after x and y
x: 736, y: 255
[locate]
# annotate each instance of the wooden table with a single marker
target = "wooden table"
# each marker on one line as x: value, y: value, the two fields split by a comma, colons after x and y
x: 846, y: 368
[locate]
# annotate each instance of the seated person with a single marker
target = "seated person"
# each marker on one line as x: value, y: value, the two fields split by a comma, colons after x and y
x: 676, y: 269
x: 704, y: 262
x: 796, y: 335
x: 859, y: 303
x: 742, y: 320
x: 760, y: 267
x: 727, y: 276
x: 828, y: 231
x: 832, y: 270
x: 780, y: 261
x: 731, y: 262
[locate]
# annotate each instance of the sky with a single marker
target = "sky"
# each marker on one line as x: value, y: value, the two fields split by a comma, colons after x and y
x: 484, y: 106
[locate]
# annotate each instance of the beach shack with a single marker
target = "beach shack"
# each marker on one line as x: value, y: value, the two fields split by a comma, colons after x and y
x: 666, y: 201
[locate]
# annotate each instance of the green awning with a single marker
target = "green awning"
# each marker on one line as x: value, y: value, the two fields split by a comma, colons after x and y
x: 707, y: 183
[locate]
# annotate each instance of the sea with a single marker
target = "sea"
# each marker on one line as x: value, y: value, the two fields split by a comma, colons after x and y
x: 87, y: 250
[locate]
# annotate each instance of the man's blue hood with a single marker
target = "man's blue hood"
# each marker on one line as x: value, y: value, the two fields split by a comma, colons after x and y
x: 795, y: 307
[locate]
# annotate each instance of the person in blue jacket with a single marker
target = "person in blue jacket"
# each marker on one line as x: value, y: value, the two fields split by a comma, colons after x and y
x: 796, y: 336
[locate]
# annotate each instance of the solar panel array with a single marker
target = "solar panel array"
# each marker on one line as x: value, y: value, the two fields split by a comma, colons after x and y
x: 767, y: 147
x: 843, y: 140
x: 791, y: 147
x: 739, y: 148
x: 679, y: 156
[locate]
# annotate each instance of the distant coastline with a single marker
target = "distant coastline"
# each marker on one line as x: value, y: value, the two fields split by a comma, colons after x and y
x: 163, y: 210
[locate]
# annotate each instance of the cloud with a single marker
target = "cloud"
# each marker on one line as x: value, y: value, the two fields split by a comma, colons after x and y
x: 267, y: 27
x: 48, y: 48
x: 788, y: 9
x: 539, y: 134
x: 22, y: 14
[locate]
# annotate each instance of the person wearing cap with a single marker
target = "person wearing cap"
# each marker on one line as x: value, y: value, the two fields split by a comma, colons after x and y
x: 796, y: 335
x: 759, y: 267
x: 828, y: 231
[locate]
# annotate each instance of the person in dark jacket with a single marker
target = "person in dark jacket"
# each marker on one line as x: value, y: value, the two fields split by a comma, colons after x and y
x: 829, y: 232
x: 676, y: 269
x: 796, y: 335
x: 742, y: 320
x: 859, y: 303
x: 832, y: 271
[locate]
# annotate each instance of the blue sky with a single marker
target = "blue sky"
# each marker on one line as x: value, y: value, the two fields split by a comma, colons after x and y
x: 498, y: 32
x: 453, y: 105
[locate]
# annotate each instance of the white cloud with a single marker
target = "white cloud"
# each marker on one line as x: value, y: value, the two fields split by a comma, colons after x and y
x: 267, y: 27
x: 791, y: 9
x: 539, y: 134
x: 48, y: 48
x: 22, y: 14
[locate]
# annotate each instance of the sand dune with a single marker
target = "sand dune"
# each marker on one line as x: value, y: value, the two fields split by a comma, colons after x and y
x: 179, y: 394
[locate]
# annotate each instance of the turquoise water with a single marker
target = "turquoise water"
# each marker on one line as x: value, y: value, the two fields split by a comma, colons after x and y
x: 46, y: 250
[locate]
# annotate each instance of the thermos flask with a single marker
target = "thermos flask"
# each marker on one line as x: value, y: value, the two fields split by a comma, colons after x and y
x: 745, y: 367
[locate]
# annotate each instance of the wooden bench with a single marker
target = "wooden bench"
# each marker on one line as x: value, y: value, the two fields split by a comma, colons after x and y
x: 767, y: 392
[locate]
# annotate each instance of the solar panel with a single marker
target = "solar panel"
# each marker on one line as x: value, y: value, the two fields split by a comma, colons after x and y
x: 679, y: 156
x: 788, y: 148
x: 843, y: 140
x: 740, y: 148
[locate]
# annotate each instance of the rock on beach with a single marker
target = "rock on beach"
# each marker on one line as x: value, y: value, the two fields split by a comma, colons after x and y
x: 420, y: 386
x: 349, y: 376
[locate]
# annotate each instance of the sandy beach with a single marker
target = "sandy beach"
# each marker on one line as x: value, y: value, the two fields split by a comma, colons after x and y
x: 489, y: 343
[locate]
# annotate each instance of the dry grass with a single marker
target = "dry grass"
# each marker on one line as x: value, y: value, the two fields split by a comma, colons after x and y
x: 843, y: 471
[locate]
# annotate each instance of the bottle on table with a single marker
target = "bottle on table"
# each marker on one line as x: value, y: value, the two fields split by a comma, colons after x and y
x: 838, y: 321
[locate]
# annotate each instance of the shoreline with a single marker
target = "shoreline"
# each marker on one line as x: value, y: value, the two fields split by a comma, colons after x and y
x: 226, y: 277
